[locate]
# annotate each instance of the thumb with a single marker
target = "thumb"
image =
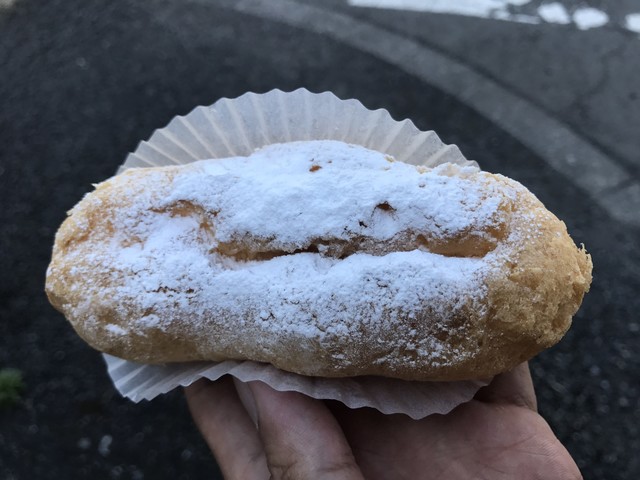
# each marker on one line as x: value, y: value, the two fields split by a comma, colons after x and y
x: 514, y: 388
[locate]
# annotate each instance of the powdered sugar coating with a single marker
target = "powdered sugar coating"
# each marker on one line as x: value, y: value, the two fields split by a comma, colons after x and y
x: 162, y: 261
x: 295, y: 192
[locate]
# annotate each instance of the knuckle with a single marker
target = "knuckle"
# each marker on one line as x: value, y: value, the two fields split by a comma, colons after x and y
x: 286, y: 470
x: 338, y: 469
x: 298, y: 469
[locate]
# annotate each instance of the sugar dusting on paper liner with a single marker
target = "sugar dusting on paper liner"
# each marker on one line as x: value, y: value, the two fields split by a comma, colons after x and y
x: 418, y: 399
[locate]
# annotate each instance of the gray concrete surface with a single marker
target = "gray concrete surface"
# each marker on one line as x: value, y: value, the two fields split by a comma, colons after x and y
x: 83, y: 81
x: 550, y: 86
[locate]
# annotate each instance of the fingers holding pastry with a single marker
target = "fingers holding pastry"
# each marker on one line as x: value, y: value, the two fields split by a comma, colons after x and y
x: 514, y: 387
x: 301, y: 438
x: 227, y: 429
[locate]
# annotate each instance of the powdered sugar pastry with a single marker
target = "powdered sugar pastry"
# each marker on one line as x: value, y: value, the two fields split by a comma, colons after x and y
x: 305, y: 244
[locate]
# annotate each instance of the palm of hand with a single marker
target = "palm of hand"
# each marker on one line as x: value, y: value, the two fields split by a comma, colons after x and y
x: 477, y: 441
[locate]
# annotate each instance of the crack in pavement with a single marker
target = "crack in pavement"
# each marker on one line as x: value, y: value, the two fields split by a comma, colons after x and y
x: 580, y: 103
x: 606, y: 58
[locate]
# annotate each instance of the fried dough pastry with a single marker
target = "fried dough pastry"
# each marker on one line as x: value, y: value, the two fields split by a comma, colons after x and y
x: 321, y: 258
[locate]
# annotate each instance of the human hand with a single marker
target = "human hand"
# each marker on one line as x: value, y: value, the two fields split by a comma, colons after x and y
x: 287, y: 435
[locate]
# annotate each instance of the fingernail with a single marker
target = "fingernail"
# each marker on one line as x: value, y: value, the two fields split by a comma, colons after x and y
x: 247, y: 400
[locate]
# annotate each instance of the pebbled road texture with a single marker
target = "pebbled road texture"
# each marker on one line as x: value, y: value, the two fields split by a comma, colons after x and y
x: 81, y: 82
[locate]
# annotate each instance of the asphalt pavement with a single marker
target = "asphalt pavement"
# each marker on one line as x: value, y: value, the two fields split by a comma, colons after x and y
x: 554, y: 106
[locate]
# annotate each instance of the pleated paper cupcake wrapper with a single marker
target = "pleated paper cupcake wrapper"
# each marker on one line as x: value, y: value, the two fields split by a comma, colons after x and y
x: 388, y: 395
x: 238, y: 127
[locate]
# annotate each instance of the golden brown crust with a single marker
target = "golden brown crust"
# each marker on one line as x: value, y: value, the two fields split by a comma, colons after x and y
x: 532, y: 281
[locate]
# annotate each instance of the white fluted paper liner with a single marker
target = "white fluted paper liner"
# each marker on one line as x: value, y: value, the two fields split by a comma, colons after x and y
x: 237, y: 127
x: 388, y: 395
